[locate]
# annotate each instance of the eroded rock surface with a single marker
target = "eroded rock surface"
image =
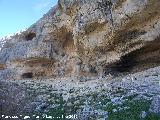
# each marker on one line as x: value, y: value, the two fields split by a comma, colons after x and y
x: 83, y: 38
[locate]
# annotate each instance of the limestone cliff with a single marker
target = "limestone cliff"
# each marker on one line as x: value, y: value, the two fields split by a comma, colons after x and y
x: 86, y: 38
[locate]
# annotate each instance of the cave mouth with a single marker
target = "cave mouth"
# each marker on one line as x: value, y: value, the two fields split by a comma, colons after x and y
x: 124, y: 65
x: 30, y: 36
x: 27, y: 75
x: 136, y: 61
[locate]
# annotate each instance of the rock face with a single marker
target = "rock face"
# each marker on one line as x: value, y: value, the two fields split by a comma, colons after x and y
x: 86, y: 38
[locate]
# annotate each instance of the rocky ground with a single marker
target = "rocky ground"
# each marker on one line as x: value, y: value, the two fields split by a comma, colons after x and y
x: 79, y: 41
x: 131, y: 97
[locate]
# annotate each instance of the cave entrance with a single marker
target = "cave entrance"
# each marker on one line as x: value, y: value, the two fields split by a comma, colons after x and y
x: 27, y: 75
x: 30, y: 36
x: 124, y: 65
x: 136, y: 61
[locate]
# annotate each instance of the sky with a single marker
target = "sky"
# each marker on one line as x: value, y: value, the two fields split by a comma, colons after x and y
x: 17, y: 15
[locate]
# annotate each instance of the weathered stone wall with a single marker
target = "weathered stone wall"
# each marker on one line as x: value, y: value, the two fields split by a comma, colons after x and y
x: 87, y: 38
